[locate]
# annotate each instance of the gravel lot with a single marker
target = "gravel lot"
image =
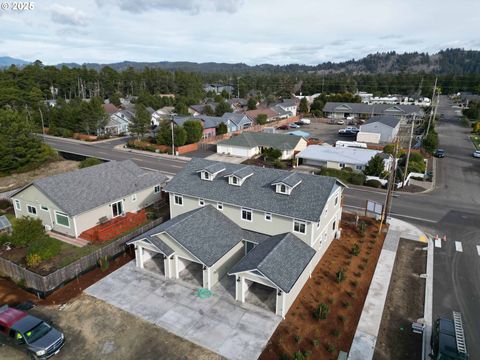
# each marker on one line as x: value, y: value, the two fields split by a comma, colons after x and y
x: 96, y: 330
x: 325, y: 132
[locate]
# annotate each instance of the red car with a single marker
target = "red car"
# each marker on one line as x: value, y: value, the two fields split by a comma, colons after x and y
x: 282, y: 127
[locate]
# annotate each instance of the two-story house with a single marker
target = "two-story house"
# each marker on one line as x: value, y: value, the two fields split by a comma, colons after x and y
x: 258, y: 225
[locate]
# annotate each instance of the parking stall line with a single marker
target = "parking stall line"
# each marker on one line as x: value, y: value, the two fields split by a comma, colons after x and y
x: 458, y: 246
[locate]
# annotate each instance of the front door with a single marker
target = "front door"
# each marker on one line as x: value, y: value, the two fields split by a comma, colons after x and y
x: 117, y: 208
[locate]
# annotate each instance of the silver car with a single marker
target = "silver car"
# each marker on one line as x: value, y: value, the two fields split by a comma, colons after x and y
x: 476, y: 154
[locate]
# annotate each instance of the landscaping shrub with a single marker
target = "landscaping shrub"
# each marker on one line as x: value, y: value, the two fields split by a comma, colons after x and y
x: 103, y: 263
x: 361, y: 267
x: 355, y: 249
x: 45, y: 247
x: 33, y: 260
x: 354, y: 283
x: 336, y: 333
x: 279, y: 164
x: 340, y: 275
x: 298, y: 355
x: 362, y: 226
x: 344, y: 175
x: 346, y: 304
x: 357, y: 178
x: 27, y: 229
x: 430, y: 142
x: 297, y: 338
x: 321, y: 312
x: 342, y: 318
x: 307, y: 353
x: 316, y: 342
x: 89, y: 162
x: 330, y: 348
x: 373, y: 183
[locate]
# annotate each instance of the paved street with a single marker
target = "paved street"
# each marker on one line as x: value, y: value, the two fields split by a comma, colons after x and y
x: 452, y: 209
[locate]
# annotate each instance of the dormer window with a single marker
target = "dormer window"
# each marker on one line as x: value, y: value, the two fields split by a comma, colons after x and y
x: 234, y: 180
x: 287, y: 183
x: 239, y: 176
x: 210, y: 172
x: 205, y: 175
x: 283, y: 189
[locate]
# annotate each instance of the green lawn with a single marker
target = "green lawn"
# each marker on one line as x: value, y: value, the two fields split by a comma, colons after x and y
x: 476, y: 141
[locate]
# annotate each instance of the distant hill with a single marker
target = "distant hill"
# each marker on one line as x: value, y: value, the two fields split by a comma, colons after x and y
x: 6, y: 61
x: 449, y: 61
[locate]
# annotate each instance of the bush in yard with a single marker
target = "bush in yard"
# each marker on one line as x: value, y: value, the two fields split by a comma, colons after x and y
x: 330, y: 348
x: 307, y: 353
x: 336, y: 333
x: 89, y: 162
x: 316, y: 342
x: 297, y: 338
x: 33, y: 260
x: 194, y: 130
x: 271, y: 154
x: 279, y: 164
x: 375, y: 166
x: 45, y: 247
x: 103, y: 263
x: 321, y: 312
x: 354, y: 283
x: 373, y: 183
x: 340, y: 275
x: 357, y: 178
x: 298, y: 355
x: 261, y: 119
x: 355, y: 249
x: 346, y: 304
x: 26, y: 230
x: 430, y: 142
x: 362, y: 226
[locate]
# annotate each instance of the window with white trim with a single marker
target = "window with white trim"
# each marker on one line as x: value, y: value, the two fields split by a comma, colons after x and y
x: 62, y: 219
x: 220, y: 206
x: 359, y: 167
x: 178, y: 200
x: 201, y: 202
x: 134, y: 197
x: 334, y: 224
x: 336, y: 201
x: 156, y: 189
x: 32, y: 210
x: 282, y: 189
x: 205, y: 175
x: 43, y: 207
x: 234, y: 180
x: 318, y: 224
x: 300, y: 226
x: 18, y: 205
x: 341, y: 165
x: 246, y: 214
x: 268, y: 216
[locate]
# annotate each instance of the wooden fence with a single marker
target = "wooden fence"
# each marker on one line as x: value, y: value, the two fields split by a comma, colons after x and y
x: 43, y: 285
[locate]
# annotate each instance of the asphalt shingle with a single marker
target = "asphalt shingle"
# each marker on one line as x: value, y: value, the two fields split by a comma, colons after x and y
x: 281, y: 259
x: 253, y: 139
x: 305, y: 202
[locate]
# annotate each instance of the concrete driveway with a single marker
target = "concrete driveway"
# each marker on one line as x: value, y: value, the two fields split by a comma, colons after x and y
x: 233, y: 330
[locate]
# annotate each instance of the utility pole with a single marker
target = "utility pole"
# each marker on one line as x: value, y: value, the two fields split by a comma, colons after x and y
x: 409, y: 150
x: 238, y: 87
x: 43, y: 126
x: 390, y: 187
x: 173, y: 139
x: 431, y: 111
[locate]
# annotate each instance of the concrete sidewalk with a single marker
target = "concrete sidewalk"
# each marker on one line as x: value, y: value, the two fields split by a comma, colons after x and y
x: 152, y: 154
x: 363, y: 346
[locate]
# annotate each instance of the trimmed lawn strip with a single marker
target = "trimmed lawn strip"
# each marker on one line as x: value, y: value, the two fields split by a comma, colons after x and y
x: 340, y: 281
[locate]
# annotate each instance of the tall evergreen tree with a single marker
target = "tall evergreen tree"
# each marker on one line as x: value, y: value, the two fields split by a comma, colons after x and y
x: 141, y: 122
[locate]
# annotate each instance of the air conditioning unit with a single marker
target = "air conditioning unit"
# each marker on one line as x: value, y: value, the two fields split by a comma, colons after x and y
x: 48, y: 227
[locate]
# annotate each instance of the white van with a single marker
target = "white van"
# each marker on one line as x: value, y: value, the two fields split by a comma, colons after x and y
x: 306, y: 121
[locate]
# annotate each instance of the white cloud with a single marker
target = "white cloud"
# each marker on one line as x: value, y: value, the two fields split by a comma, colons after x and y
x: 67, y: 15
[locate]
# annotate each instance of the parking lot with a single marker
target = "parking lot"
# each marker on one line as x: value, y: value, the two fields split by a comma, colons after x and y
x: 321, y: 130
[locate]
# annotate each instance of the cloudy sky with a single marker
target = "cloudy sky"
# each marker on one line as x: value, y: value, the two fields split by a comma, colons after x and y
x: 249, y: 31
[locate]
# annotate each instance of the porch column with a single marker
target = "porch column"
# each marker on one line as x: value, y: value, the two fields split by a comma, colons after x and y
x: 240, y: 288
x: 280, y: 303
x: 206, y: 277
x: 167, y: 267
x: 139, y: 256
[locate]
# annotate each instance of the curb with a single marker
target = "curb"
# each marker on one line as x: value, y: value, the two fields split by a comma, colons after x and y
x: 428, y: 307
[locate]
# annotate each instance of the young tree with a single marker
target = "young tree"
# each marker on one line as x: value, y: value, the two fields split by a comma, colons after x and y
x: 303, y: 106
x: 181, y: 108
x: 141, y: 122
x: 207, y: 110
x: 221, y: 129
x: 164, y: 135
x: 194, y: 131
x: 115, y: 99
x: 251, y: 104
x: 261, y: 119
x: 222, y: 108
x: 375, y: 167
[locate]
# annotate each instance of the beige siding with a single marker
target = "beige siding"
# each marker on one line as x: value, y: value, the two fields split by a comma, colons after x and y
x: 221, y: 267
x: 178, y: 249
x: 292, y: 295
x: 278, y: 225
x: 90, y: 218
x: 32, y: 196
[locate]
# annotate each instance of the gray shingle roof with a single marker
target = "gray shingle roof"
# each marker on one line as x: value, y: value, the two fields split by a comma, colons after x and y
x: 291, y: 179
x: 306, y: 201
x: 388, y: 120
x: 242, y: 172
x: 213, y: 168
x: 206, y: 233
x: 375, y: 109
x: 81, y: 190
x: 281, y: 259
x: 253, y: 139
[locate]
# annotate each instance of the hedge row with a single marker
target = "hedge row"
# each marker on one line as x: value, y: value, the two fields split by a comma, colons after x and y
x: 345, y: 175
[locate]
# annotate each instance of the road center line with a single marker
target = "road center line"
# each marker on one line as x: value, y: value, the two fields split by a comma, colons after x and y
x: 458, y: 246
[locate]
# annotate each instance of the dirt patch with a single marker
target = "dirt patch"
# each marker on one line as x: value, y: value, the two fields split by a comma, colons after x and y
x: 52, y: 168
x: 11, y: 293
x: 404, y: 305
x: 96, y: 330
x: 323, y: 339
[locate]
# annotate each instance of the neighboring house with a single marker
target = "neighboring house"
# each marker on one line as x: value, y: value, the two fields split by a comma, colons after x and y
x: 119, y: 122
x: 128, y: 100
x: 289, y: 105
x: 164, y: 113
x: 199, y: 109
x: 76, y: 201
x: 236, y: 121
x: 386, y: 126
x: 271, y: 114
x: 281, y: 112
x: 339, y: 157
x: 258, y: 225
x: 218, y: 88
x: 110, y: 109
x: 361, y: 110
x: 209, y: 126
x: 237, y: 104
x: 249, y: 144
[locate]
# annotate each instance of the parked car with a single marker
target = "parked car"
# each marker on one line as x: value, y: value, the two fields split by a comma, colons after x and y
x: 305, y: 121
x: 439, y: 153
x: 299, y: 123
x: 30, y: 334
x: 349, y: 129
x: 340, y: 122
x: 476, y: 154
x: 347, y: 133
x: 293, y: 126
x: 448, y: 339
x: 282, y: 127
